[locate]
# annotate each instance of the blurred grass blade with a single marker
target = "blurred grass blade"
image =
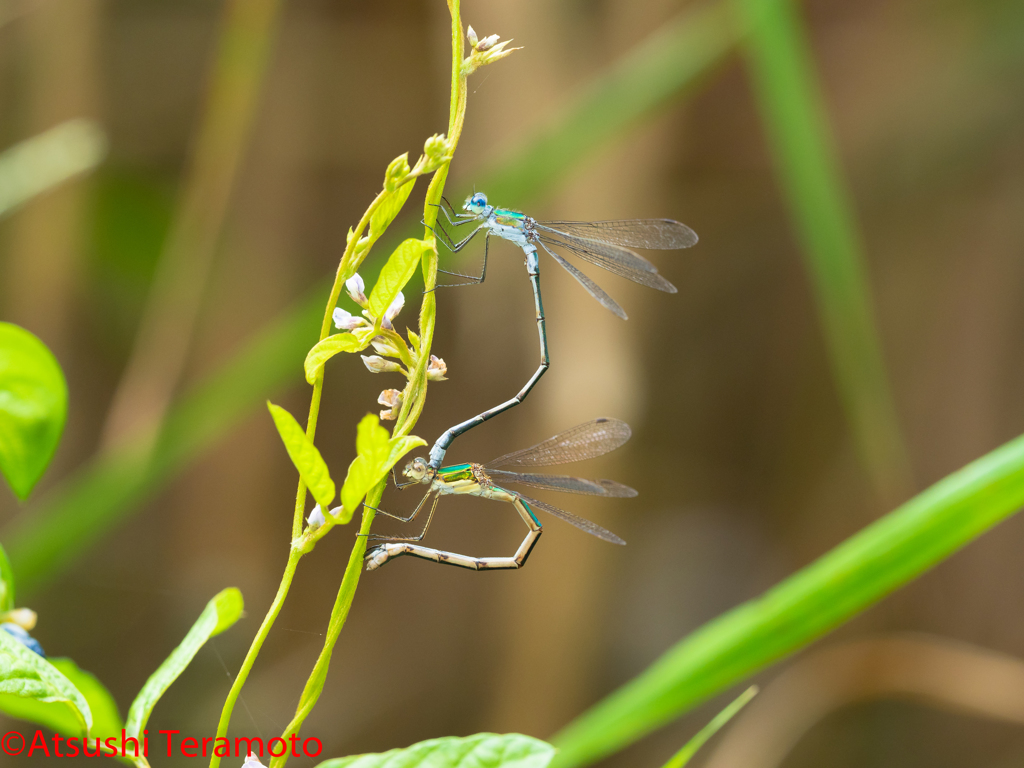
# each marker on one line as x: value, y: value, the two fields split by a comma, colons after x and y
x: 784, y: 79
x: 100, y: 494
x: 648, y: 78
x: 682, y: 757
x: 44, y: 161
x: 839, y: 585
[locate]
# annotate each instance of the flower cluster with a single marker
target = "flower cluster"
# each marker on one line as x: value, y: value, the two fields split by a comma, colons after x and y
x: 388, y: 344
x: 485, y: 51
x: 437, y: 150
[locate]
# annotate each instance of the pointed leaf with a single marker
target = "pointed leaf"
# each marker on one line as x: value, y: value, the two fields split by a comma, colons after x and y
x: 396, y: 273
x: 220, y: 613
x: 331, y: 346
x: 33, y: 407
x: 304, y: 455
x: 482, y: 750
x: 58, y: 716
x: 371, y: 451
x: 389, y: 207
x: 6, y: 583
x: 26, y: 675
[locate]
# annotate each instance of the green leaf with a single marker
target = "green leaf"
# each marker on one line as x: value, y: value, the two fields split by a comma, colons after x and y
x: 333, y: 345
x: 785, y: 80
x: 304, y: 456
x: 58, y: 716
x: 400, y: 268
x: 33, y: 407
x: 24, y: 674
x: 682, y: 757
x: 482, y: 750
x: 388, y: 208
x: 220, y: 613
x: 6, y: 583
x: 376, y: 455
x: 837, y: 586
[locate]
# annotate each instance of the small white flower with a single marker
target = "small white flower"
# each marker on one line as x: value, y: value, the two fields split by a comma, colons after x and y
x: 436, y: 369
x: 345, y: 321
x: 393, y: 399
x: 392, y: 311
x: 486, y: 43
x: 316, y: 518
x: 471, y: 36
x: 252, y: 762
x: 356, y: 289
x: 376, y: 364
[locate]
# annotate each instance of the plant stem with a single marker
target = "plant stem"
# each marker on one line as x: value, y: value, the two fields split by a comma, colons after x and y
x: 250, y: 658
x: 413, y: 402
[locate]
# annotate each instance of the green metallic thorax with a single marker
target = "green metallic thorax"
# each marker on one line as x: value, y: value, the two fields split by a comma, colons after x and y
x: 509, y: 218
x: 455, y: 473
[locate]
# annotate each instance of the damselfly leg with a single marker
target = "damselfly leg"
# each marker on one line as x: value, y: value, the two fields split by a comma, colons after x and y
x: 409, y: 519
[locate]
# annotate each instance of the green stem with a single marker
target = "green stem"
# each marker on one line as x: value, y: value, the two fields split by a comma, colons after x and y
x: 416, y: 392
x: 250, y: 658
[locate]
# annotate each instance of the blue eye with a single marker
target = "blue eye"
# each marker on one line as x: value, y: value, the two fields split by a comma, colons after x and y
x: 480, y: 199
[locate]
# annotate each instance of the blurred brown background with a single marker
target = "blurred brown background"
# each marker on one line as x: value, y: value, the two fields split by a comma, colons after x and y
x: 741, y: 450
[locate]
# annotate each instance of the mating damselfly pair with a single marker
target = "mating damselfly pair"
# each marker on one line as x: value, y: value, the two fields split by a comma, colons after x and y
x: 606, y: 244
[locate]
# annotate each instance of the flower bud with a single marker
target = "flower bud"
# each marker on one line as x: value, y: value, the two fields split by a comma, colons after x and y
x: 316, y: 518
x: 384, y: 346
x: 396, y: 172
x: 436, y: 369
x: 252, y: 762
x: 375, y: 364
x: 396, y: 306
x: 437, y: 148
x: 24, y: 617
x: 355, y: 288
x: 486, y: 43
x: 471, y: 36
x: 346, y: 321
x: 393, y: 399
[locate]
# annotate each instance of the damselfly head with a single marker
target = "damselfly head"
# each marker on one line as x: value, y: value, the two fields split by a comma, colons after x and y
x: 476, y: 204
x: 417, y: 470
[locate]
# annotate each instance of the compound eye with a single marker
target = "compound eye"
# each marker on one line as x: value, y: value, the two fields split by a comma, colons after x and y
x: 480, y: 199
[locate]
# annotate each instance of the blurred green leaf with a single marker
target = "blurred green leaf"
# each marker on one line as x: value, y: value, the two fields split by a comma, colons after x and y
x: 51, y: 158
x: 683, y: 756
x: 400, y: 267
x: 6, y: 583
x: 33, y: 407
x: 26, y: 675
x: 786, y: 85
x: 324, y: 350
x: 482, y: 750
x: 220, y: 613
x: 304, y: 455
x: 830, y: 591
x: 59, y: 717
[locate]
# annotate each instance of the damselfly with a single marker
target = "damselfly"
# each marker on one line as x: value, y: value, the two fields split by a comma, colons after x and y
x: 585, y: 441
x: 605, y: 244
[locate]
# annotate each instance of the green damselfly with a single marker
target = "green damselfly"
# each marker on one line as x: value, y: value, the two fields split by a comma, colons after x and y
x: 585, y: 441
x: 605, y: 244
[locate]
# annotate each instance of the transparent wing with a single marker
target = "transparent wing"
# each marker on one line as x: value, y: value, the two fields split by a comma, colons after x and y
x: 660, y: 234
x: 582, y: 523
x: 619, y: 261
x: 592, y: 288
x: 584, y: 441
x: 563, y: 483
